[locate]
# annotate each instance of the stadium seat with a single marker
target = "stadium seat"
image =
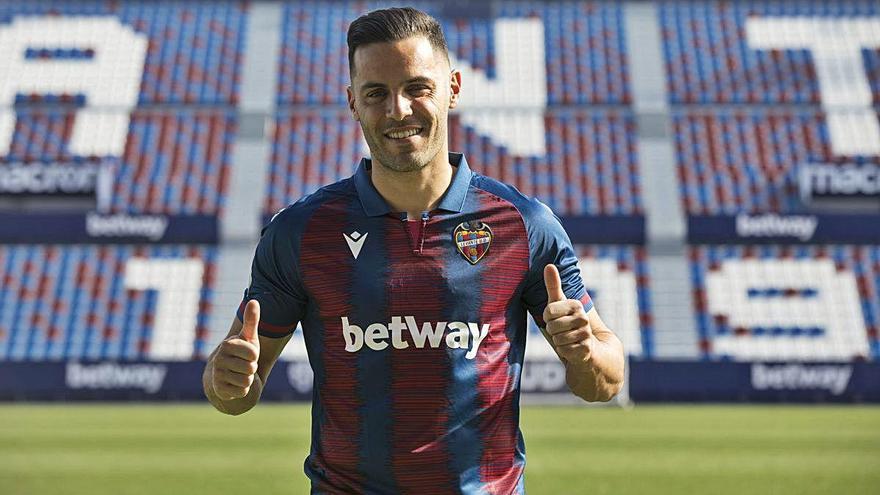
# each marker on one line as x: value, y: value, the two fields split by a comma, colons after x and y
x: 584, y: 48
x: 194, y: 53
x: 617, y: 279
x: 747, y: 159
x: 105, y: 303
x: 174, y: 162
x: 709, y: 58
x: 800, y: 303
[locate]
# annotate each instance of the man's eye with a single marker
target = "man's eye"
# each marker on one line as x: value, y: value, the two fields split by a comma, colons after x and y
x: 375, y: 94
x: 420, y: 90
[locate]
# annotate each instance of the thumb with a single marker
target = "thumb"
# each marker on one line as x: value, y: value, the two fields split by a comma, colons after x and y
x: 251, y: 320
x: 553, y: 283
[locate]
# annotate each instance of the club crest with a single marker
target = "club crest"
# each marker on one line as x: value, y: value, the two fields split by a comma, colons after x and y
x: 472, y: 240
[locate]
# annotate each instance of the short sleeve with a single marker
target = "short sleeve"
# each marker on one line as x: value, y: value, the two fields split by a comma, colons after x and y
x: 549, y: 243
x: 275, y: 282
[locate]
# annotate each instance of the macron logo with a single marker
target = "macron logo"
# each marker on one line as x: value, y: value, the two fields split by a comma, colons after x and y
x: 461, y: 335
x: 355, y: 242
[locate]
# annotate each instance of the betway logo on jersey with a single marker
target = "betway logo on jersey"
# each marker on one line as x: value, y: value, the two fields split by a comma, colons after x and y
x: 404, y: 331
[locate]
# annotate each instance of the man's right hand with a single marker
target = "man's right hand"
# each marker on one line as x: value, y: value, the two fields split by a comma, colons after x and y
x: 235, y: 362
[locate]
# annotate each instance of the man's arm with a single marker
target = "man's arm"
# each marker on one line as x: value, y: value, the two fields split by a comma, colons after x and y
x: 600, y: 377
x: 237, y: 369
x: 592, y: 354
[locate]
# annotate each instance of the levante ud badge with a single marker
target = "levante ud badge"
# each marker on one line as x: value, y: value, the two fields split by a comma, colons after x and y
x: 472, y: 240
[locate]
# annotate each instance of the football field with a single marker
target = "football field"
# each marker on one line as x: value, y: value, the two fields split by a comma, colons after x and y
x: 191, y: 449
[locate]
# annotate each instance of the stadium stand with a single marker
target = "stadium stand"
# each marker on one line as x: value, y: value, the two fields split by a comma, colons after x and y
x: 709, y: 60
x: 309, y: 150
x: 174, y: 162
x: 799, y: 303
x: 750, y: 111
x: 193, y: 55
x: 105, y: 302
x: 590, y: 167
x: 190, y: 153
x: 618, y: 280
x: 584, y: 45
x: 747, y: 159
x: 100, y: 302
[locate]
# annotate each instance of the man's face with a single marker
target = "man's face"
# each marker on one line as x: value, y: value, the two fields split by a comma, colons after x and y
x: 401, y: 93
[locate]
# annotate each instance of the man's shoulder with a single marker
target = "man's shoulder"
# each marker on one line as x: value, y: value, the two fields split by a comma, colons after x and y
x: 532, y: 210
x: 296, y: 215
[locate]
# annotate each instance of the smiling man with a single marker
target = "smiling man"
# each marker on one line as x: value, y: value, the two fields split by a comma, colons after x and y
x: 412, y: 280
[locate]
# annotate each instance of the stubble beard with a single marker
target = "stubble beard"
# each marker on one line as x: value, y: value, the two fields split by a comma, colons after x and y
x: 406, y: 162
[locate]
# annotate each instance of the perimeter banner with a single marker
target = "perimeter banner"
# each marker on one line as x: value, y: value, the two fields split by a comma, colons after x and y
x: 772, y: 228
x: 649, y: 381
x: 705, y: 381
x: 182, y: 380
x: 113, y: 228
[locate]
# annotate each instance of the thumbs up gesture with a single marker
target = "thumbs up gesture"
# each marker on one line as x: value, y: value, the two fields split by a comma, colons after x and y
x: 235, y: 363
x: 568, y: 327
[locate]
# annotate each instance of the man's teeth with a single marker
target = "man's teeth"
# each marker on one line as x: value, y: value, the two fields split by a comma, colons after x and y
x: 404, y: 134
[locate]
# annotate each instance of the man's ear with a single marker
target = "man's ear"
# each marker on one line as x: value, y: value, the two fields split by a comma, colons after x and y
x: 350, y: 95
x: 454, y: 87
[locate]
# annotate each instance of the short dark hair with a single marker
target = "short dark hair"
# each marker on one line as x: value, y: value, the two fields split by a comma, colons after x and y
x: 393, y: 24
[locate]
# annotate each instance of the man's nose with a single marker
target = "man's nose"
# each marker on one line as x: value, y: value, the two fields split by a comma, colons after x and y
x: 399, y: 107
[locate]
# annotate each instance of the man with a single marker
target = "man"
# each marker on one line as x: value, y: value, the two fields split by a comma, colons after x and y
x: 412, y: 280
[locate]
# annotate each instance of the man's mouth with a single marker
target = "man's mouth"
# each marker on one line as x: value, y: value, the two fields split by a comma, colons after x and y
x: 403, y: 133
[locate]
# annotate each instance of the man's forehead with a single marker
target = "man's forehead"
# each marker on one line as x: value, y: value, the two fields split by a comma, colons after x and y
x: 397, y: 61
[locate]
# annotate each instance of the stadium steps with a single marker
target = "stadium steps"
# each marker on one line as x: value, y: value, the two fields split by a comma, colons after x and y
x: 234, y: 261
x: 242, y: 219
x: 674, y: 332
x: 675, y: 335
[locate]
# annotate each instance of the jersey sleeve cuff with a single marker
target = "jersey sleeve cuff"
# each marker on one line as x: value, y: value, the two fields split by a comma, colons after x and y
x: 587, y: 301
x: 267, y: 329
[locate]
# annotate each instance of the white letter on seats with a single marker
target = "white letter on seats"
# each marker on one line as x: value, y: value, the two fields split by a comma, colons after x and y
x: 835, y: 308
x: 110, y: 80
x: 836, y: 45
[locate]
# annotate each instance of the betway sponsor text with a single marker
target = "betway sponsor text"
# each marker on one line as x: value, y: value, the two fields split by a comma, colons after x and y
x: 800, y: 226
x: 147, y: 377
x: 797, y: 377
x: 378, y: 336
x: 121, y: 225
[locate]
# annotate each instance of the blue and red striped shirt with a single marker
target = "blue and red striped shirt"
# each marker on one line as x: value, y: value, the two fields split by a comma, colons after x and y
x: 415, y: 330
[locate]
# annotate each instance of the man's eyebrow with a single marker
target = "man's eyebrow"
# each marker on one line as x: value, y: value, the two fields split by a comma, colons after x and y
x: 418, y: 79
x: 421, y: 79
x: 371, y: 85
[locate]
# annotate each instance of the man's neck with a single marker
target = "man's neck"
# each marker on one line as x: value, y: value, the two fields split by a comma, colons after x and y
x: 413, y: 192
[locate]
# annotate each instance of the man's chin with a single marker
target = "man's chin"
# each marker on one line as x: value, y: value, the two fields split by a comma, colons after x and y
x: 403, y: 163
x: 406, y: 167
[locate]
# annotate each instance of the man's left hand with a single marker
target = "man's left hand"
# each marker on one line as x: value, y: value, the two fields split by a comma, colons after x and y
x: 567, y: 324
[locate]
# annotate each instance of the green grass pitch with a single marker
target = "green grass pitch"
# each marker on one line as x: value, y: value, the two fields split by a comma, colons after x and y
x: 191, y: 449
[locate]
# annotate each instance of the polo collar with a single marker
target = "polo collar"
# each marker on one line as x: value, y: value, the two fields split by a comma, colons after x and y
x: 453, y: 200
